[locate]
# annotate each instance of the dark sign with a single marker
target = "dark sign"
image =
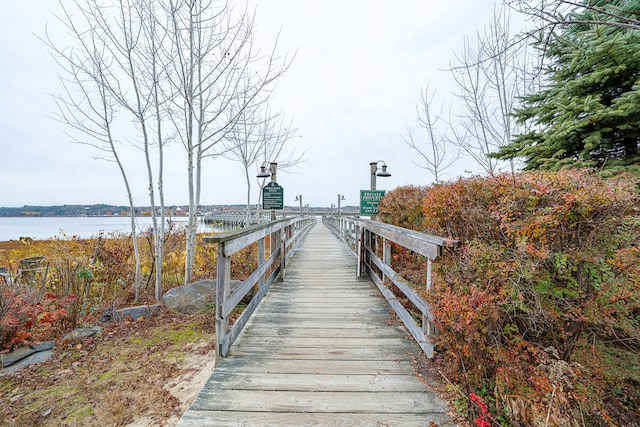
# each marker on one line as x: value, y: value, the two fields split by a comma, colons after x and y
x: 272, y: 197
x: 369, y: 200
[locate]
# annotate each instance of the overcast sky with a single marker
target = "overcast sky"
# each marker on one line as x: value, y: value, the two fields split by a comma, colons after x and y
x: 352, y: 90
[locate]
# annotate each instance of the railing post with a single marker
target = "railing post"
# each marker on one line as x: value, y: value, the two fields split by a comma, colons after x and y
x: 273, y: 242
x: 283, y: 253
x: 386, y: 257
x: 359, y: 245
x: 261, y: 260
x: 427, y: 327
x: 223, y: 282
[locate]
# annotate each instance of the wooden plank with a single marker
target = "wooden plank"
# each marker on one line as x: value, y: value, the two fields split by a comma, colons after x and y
x: 319, y: 318
x: 317, y: 323
x: 252, y: 364
x: 222, y: 291
x: 329, y: 309
x: 313, y: 382
x: 349, y: 342
x: 238, y: 239
x: 316, y: 401
x: 295, y: 332
x: 360, y: 297
x: 308, y: 353
x: 424, y: 244
x: 296, y: 419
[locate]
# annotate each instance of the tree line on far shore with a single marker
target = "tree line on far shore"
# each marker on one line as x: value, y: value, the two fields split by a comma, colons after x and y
x: 100, y: 210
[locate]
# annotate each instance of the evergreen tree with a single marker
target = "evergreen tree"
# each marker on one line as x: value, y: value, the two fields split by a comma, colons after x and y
x: 588, y: 113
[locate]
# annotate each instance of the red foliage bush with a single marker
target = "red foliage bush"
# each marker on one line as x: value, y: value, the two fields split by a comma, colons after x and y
x: 21, y: 319
x: 549, y: 263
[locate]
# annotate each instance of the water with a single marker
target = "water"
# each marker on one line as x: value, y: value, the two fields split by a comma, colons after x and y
x: 47, y: 227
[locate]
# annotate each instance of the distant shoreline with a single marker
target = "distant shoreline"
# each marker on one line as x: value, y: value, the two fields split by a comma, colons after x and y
x: 49, y: 227
x: 87, y: 216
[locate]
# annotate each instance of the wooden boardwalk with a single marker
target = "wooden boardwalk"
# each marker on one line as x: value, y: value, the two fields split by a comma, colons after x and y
x: 320, y: 350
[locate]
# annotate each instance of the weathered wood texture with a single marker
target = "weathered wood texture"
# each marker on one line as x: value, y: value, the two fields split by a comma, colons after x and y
x: 362, y: 237
x: 320, y: 350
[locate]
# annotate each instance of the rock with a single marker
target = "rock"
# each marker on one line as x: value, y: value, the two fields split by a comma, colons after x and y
x: 197, y: 296
x: 42, y: 346
x: 18, y: 359
x: 107, y: 316
x: 80, y: 334
x: 19, y: 354
x: 129, y: 312
x: 38, y: 357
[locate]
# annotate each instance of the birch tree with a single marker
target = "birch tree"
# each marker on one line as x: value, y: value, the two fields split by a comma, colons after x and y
x: 131, y: 46
x: 125, y: 48
x: 213, y: 50
x: 175, y: 67
x: 87, y: 103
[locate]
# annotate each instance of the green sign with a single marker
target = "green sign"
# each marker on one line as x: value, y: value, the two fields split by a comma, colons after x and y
x: 369, y: 200
x: 272, y: 197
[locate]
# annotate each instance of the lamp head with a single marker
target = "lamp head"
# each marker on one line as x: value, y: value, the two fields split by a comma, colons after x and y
x: 384, y: 172
x: 263, y: 172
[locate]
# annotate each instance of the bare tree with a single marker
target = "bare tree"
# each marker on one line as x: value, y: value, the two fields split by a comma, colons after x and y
x: 277, y: 136
x: 213, y: 50
x: 490, y: 76
x: 244, y: 144
x: 155, y: 82
x: 433, y: 151
x: 554, y: 13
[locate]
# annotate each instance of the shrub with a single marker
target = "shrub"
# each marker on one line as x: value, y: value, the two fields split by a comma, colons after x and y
x: 21, y: 319
x: 403, y: 207
x: 549, y: 266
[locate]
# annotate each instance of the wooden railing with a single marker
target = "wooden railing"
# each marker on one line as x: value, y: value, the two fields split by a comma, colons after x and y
x: 284, y: 236
x: 240, y: 217
x: 367, y: 238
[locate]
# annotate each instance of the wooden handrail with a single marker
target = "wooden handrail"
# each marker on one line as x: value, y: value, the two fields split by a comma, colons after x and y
x: 362, y: 236
x: 284, y: 235
x: 240, y: 218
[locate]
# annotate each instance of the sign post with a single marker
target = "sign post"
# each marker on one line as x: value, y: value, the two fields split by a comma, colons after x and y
x: 369, y: 201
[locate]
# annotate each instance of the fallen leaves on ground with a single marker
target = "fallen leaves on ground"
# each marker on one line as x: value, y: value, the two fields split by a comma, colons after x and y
x: 119, y: 377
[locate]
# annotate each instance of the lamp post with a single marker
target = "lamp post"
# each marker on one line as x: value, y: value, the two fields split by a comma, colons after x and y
x: 299, y: 198
x: 273, y: 169
x: 340, y: 197
x: 331, y: 209
x: 374, y: 172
